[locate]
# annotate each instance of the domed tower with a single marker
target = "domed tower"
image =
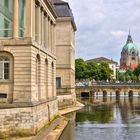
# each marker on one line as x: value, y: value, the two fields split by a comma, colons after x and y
x: 129, y: 55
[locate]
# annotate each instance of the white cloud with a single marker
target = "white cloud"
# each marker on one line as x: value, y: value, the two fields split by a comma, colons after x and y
x: 103, y: 26
x: 118, y: 34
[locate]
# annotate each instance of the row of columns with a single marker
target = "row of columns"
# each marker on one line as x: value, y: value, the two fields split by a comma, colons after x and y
x: 46, y: 34
x: 49, y: 36
x: 116, y: 94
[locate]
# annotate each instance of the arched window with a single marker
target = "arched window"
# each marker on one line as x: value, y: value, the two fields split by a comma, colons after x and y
x: 4, y: 68
x: 46, y: 77
x: 38, y: 76
x: 52, y: 78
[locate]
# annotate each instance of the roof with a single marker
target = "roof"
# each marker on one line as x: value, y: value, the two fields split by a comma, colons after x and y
x: 58, y: 1
x: 129, y: 45
x: 101, y: 59
x: 62, y: 9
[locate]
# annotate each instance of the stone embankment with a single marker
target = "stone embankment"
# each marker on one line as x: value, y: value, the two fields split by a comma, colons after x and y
x: 56, y: 127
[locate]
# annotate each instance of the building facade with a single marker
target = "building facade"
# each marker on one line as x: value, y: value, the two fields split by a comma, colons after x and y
x: 65, y: 53
x: 112, y: 64
x: 129, y: 55
x: 27, y: 65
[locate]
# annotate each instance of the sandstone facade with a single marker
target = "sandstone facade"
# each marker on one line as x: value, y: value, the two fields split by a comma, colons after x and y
x: 28, y: 66
x: 65, y: 52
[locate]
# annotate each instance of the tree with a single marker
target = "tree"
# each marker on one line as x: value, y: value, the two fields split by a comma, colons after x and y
x: 137, y: 71
x: 80, y: 69
x: 91, y: 70
x: 105, y: 71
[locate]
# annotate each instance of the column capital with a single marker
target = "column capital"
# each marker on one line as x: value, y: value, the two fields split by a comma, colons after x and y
x: 37, y: 3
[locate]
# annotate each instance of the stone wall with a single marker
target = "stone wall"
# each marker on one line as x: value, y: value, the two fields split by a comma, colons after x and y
x: 27, y: 120
x: 65, y: 101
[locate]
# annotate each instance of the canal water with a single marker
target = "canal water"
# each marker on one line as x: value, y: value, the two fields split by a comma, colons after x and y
x: 105, y: 119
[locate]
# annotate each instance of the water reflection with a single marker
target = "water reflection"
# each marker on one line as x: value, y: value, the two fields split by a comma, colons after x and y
x: 107, y: 119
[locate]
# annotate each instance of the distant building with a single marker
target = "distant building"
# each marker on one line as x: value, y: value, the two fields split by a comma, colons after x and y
x: 129, y: 55
x: 112, y: 64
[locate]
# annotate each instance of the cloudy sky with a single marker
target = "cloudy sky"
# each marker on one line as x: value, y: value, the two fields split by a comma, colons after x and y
x: 103, y: 26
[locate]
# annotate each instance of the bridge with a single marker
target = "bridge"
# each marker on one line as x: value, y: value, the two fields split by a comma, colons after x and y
x: 128, y: 90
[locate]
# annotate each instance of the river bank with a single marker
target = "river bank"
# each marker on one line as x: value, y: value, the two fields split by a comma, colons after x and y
x: 54, y: 130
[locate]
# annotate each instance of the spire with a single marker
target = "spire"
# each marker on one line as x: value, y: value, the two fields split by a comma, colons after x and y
x: 129, y: 39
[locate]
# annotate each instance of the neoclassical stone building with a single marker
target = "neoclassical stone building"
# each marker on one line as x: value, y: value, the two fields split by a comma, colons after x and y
x: 129, y: 55
x: 27, y: 65
x: 65, y: 54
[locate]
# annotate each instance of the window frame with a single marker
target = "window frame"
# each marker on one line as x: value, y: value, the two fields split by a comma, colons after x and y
x: 2, y: 63
x: 58, y: 82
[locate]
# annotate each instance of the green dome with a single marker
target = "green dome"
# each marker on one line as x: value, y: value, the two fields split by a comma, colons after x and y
x: 128, y: 47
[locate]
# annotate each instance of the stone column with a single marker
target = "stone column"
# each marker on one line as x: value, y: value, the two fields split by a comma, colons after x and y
x: 30, y: 18
x: 42, y: 27
x: 54, y: 40
x: 47, y: 31
x: 49, y: 35
x: 39, y: 25
x: 15, y: 20
x: 33, y: 18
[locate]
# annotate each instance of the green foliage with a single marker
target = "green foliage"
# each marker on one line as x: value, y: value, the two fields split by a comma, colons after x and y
x: 80, y: 68
x: 127, y: 76
x: 105, y: 71
x: 92, y: 70
x: 137, y: 71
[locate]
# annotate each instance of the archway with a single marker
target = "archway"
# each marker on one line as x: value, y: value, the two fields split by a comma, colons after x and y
x: 85, y: 94
x: 104, y: 93
x: 117, y: 93
x: 130, y: 93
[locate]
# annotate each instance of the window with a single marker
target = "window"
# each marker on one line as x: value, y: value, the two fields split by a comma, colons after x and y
x: 21, y: 17
x: 6, y: 25
x: 4, y: 68
x: 58, y: 82
x: 133, y: 58
x: 6, y: 3
x: 3, y: 95
x: 6, y: 18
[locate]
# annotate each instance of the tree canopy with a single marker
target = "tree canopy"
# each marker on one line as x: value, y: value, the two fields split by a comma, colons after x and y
x: 92, y: 70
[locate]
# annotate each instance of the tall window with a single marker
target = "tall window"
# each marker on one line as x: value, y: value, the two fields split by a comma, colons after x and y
x: 58, y: 82
x: 6, y: 25
x: 38, y: 76
x: 4, y: 68
x: 46, y: 77
x: 6, y: 18
x: 21, y: 17
x: 36, y: 23
x: 52, y: 79
x: 6, y: 3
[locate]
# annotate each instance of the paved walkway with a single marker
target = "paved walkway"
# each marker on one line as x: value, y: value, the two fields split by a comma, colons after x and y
x: 71, y: 109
